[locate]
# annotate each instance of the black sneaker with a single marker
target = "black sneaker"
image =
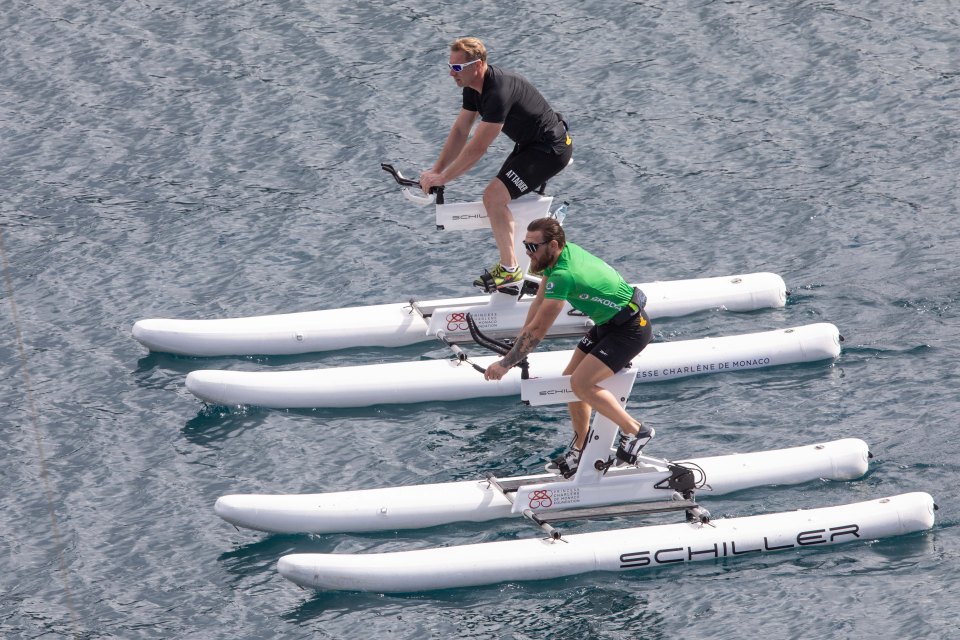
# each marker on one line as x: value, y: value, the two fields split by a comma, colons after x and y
x: 566, y: 465
x: 631, y: 446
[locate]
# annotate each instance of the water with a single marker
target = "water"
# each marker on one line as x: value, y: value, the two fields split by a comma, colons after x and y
x: 210, y: 159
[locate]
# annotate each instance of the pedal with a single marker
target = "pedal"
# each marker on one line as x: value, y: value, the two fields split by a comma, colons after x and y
x: 488, y: 285
x: 529, y: 288
x: 486, y: 282
x: 629, y: 450
x: 560, y: 469
x: 566, y: 474
x: 566, y: 471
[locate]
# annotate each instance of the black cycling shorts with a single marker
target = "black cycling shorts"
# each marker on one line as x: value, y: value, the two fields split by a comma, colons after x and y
x: 615, y: 346
x: 525, y: 169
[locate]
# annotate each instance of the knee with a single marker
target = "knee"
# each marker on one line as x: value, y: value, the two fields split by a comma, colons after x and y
x: 580, y: 387
x: 496, y: 196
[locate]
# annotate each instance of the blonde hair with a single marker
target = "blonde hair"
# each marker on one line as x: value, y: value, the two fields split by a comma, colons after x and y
x: 472, y: 47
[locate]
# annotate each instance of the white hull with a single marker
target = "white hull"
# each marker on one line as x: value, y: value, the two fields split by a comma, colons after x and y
x: 442, y: 380
x: 617, y: 550
x: 396, y: 325
x: 421, y: 506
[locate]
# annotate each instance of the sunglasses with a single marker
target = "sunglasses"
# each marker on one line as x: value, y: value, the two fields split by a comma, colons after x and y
x: 532, y: 247
x: 457, y: 68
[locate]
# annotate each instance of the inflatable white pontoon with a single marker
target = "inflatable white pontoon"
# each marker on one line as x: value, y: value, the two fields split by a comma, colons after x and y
x: 444, y: 380
x: 421, y: 506
x: 615, y: 550
x: 404, y: 323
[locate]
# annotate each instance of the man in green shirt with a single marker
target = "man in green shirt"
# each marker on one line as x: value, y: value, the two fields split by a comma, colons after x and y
x: 622, y: 330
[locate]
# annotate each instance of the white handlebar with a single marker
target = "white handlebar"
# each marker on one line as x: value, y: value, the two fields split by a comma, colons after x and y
x: 418, y: 199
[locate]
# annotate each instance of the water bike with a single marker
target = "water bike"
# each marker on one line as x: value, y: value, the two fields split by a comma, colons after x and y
x: 412, y: 321
x: 598, y: 490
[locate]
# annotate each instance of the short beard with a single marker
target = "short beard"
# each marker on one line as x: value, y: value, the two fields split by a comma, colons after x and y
x: 537, y: 266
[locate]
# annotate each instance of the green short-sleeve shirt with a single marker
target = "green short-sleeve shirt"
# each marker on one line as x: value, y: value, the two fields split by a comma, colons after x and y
x: 588, y: 283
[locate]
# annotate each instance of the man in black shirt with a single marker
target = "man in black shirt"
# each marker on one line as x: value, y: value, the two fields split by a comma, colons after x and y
x: 509, y: 103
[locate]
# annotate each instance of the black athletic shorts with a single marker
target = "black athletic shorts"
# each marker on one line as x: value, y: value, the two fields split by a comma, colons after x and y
x: 525, y: 169
x: 615, y: 346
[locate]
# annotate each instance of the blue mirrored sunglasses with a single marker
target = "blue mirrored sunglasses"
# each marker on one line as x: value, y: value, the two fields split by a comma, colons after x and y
x: 457, y: 68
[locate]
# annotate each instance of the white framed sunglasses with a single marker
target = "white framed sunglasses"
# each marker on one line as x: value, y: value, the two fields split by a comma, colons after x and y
x: 457, y: 68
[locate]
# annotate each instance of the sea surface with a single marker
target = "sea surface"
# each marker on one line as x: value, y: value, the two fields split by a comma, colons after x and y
x: 209, y: 159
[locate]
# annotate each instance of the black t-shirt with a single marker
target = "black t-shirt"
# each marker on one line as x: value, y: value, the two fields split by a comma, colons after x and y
x: 511, y: 99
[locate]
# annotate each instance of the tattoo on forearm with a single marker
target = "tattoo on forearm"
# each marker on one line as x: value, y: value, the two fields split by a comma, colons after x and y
x: 524, y: 345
